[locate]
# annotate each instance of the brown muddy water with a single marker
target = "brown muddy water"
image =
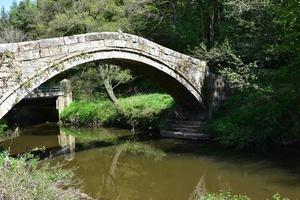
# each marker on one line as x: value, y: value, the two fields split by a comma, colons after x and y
x: 117, y: 164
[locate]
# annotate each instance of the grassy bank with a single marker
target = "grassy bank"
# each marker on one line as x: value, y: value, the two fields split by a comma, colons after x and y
x: 143, y: 111
x: 25, y: 178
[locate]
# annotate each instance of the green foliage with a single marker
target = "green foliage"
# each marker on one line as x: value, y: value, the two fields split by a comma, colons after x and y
x: 24, y: 17
x: 141, y: 110
x: 223, y: 196
x: 84, y: 113
x: 249, y: 25
x: 223, y: 61
x: 26, y: 178
x: 88, y: 81
x: 230, y: 196
x: 286, y: 15
x: 263, y: 108
x: 263, y: 114
x: 10, y: 34
x: 3, y: 128
x: 146, y: 110
x: 278, y: 197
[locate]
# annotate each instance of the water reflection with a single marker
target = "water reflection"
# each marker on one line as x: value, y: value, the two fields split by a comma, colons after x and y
x: 67, y: 143
x: 117, y: 164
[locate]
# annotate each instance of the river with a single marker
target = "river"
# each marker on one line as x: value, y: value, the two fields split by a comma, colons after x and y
x: 115, y: 163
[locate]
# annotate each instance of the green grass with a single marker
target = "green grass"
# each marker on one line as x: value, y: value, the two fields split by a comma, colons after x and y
x: 27, y: 178
x: 141, y: 110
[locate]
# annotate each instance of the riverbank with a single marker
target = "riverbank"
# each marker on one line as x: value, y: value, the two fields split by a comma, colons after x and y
x: 27, y: 178
x: 139, y: 111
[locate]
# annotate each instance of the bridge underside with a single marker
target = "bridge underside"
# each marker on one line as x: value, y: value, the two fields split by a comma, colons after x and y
x: 33, y: 111
x: 170, y: 85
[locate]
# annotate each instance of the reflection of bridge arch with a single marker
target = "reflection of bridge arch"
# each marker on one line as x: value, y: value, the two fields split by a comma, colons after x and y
x: 35, y: 62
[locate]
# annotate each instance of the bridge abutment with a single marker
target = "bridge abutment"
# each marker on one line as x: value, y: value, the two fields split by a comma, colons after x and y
x: 65, y: 99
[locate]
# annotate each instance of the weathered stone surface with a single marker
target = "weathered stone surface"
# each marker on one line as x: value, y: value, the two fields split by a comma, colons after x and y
x: 39, y: 61
x: 53, y: 51
x: 53, y: 42
x: 93, y: 37
x: 28, y: 55
x: 70, y: 40
x: 44, y: 52
x: 25, y: 46
x: 12, y: 47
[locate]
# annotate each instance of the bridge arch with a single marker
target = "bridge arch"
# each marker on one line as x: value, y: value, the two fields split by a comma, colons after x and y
x: 38, y: 61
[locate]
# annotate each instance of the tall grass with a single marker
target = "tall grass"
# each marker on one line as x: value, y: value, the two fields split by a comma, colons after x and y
x: 25, y: 178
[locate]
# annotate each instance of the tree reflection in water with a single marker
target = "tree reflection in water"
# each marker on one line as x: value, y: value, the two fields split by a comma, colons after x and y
x: 110, y: 189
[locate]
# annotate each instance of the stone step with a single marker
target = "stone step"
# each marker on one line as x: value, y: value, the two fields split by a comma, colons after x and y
x: 186, y: 126
x: 195, y: 123
x: 186, y: 129
x: 185, y: 135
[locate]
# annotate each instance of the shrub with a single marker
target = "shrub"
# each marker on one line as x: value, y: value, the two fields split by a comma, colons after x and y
x: 25, y: 178
x: 224, y: 196
x: 264, y: 114
x: 3, y: 128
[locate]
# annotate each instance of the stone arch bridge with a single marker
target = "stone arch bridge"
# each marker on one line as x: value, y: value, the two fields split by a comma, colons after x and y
x: 25, y: 66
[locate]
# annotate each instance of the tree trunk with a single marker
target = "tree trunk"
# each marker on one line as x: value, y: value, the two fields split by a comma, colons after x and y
x: 110, y: 91
x: 211, y: 26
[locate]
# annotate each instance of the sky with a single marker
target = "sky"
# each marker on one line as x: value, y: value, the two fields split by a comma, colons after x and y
x: 7, y: 3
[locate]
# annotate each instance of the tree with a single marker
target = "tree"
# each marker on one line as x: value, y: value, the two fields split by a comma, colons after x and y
x: 248, y: 25
x: 286, y: 15
x: 10, y: 34
x: 112, y: 76
x: 24, y: 17
x: 3, y: 16
x: 93, y: 78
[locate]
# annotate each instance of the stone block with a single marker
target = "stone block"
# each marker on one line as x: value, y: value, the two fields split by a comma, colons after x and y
x: 25, y: 46
x: 109, y: 42
x: 44, y: 52
x: 55, y: 51
x: 78, y: 47
x: 53, y: 42
x: 94, y: 37
x: 71, y: 40
x: 11, y: 47
x: 27, y: 55
x: 128, y: 44
x: 95, y: 44
x: 80, y: 38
